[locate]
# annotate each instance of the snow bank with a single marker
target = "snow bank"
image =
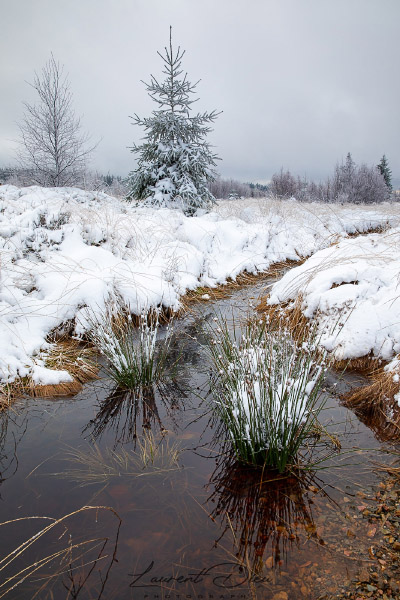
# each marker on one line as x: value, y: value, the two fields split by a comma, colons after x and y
x: 354, y: 285
x: 65, y: 249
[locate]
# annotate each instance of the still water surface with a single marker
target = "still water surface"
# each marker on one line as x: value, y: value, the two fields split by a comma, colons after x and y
x: 188, y: 525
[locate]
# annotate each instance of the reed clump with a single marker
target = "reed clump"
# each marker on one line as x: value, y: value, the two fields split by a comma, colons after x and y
x: 136, y: 356
x: 266, y: 390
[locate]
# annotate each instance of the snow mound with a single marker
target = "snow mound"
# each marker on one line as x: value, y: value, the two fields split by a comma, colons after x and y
x: 65, y: 249
x: 353, y: 289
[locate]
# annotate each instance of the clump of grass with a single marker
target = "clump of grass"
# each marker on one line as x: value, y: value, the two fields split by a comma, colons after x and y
x: 289, y: 313
x: 65, y: 354
x: 292, y: 315
x: 5, y: 397
x: 136, y: 357
x: 266, y: 390
x: 378, y: 400
x: 153, y: 455
x: 69, y: 355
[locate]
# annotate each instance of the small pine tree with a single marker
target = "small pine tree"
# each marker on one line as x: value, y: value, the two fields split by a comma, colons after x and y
x: 348, y: 169
x: 384, y: 170
x: 175, y: 163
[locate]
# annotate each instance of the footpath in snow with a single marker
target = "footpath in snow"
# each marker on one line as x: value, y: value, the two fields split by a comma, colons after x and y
x: 66, y: 249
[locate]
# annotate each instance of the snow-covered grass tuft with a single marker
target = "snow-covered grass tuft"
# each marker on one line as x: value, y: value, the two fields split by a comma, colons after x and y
x: 266, y: 391
x: 136, y: 358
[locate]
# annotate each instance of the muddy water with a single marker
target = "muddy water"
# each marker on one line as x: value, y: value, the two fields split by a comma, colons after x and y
x: 192, y: 525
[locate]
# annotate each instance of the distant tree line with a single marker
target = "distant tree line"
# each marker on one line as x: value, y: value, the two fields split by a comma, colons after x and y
x: 5, y: 174
x: 358, y: 184
x: 117, y: 185
x: 231, y: 188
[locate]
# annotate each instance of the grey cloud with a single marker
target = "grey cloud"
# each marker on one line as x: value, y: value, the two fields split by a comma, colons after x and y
x: 301, y: 83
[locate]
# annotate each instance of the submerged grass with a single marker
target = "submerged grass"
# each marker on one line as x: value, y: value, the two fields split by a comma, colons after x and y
x: 153, y: 455
x: 262, y: 507
x: 266, y: 390
x: 136, y: 356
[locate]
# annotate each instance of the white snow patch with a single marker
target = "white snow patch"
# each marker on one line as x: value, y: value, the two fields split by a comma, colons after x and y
x: 65, y: 249
x: 352, y: 289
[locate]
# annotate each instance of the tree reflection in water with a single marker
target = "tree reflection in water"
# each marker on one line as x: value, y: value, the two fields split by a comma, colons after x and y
x: 12, y: 429
x: 263, y: 510
x: 126, y: 411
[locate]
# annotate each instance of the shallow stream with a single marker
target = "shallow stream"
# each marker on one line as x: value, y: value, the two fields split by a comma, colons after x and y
x: 188, y: 523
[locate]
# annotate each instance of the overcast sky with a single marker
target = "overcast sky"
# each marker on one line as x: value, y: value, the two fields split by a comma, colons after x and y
x: 300, y: 82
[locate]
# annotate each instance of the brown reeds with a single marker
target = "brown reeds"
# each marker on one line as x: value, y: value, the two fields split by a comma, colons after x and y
x: 66, y: 354
x: 291, y: 314
x: 288, y: 314
x: 364, y: 364
x: 376, y: 400
x: 64, y: 559
x: 392, y: 470
x: 5, y: 397
x: 378, y: 229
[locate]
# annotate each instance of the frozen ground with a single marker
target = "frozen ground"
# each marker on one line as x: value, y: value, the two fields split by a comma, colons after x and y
x: 62, y: 250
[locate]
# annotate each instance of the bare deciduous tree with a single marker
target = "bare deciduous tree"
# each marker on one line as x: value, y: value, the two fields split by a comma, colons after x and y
x: 53, y: 149
x: 349, y: 183
x: 283, y: 184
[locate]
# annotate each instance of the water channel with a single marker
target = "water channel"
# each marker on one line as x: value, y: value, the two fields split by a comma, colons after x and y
x: 186, y: 521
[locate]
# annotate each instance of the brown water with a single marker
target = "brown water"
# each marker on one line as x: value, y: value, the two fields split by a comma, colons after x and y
x: 204, y: 528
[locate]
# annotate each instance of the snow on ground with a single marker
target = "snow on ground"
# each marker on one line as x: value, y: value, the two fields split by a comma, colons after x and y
x: 355, y: 286
x: 65, y: 249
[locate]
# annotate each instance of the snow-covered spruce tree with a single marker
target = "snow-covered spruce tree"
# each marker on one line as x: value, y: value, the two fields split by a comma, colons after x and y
x: 384, y: 170
x: 175, y: 163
